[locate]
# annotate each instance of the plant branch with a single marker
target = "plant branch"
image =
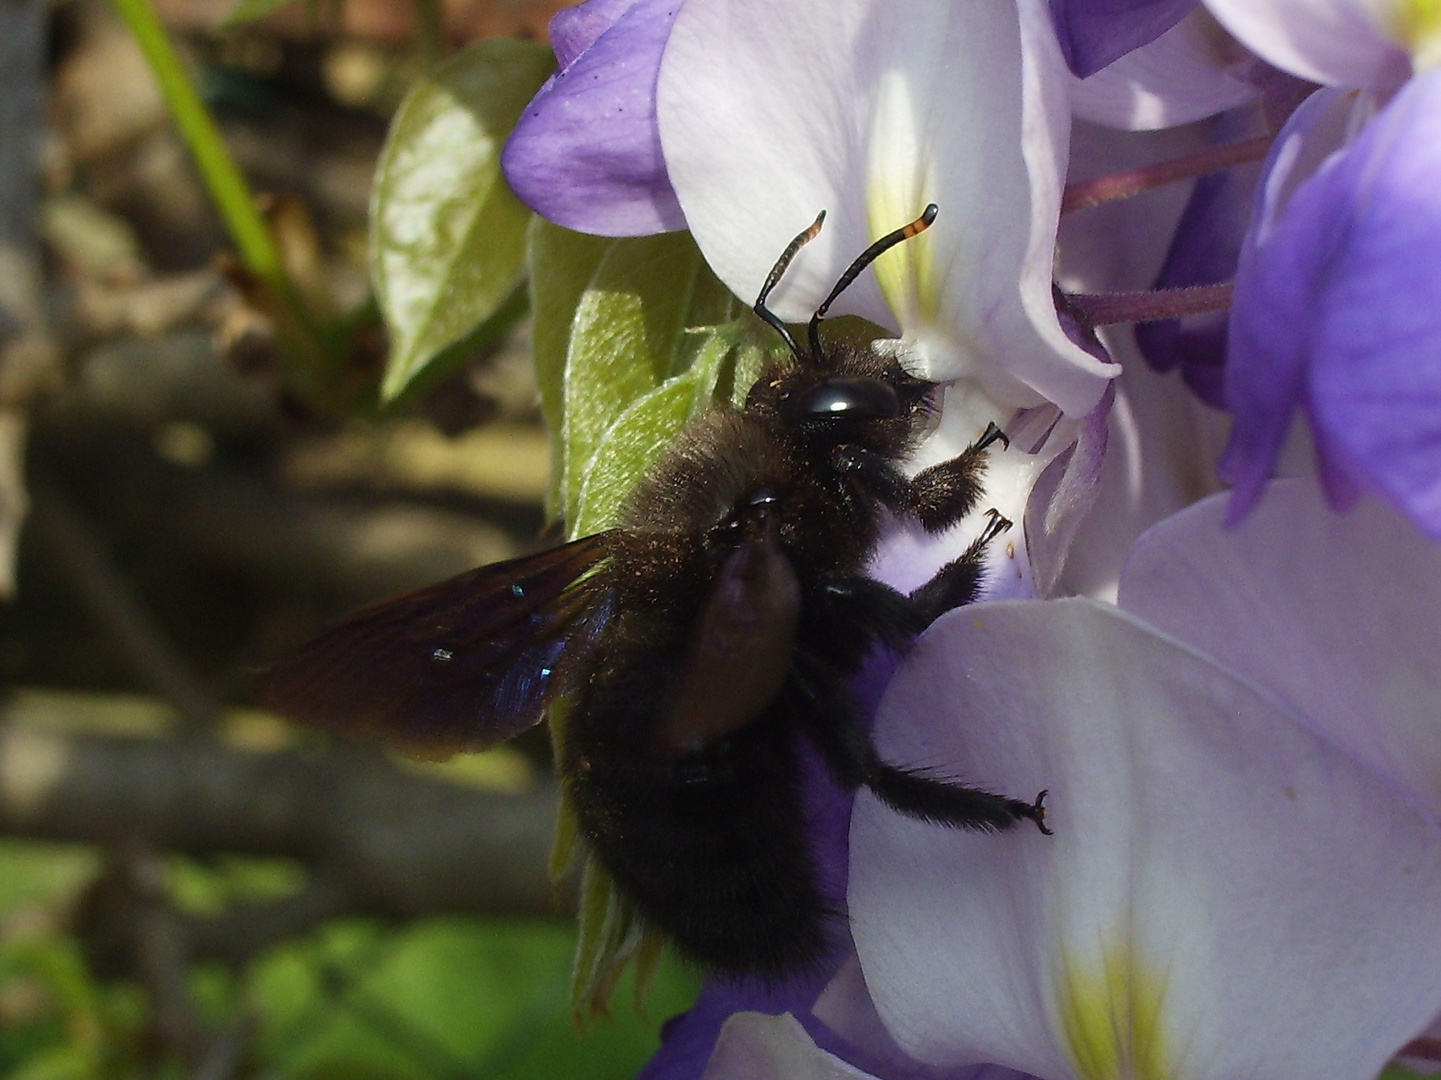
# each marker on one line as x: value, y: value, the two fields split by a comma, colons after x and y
x: 378, y: 841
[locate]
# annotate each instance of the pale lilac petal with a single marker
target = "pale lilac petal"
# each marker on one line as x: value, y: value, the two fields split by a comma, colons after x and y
x: 1332, y: 42
x: 1063, y: 496
x: 754, y: 1045
x: 1095, y: 33
x: 867, y: 128
x: 1283, y: 257
x: 1160, y: 457
x: 1193, y: 70
x: 689, y: 1040
x: 1339, y: 616
x: 1226, y: 895
x: 846, y: 1011
x: 586, y: 153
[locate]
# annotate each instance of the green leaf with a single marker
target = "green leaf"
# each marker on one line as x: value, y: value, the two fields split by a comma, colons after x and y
x: 448, y: 237
x: 631, y: 331
x: 647, y: 427
x: 562, y: 264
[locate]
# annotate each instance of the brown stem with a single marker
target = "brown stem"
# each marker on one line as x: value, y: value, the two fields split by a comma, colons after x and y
x: 1107, y: 309
x: 1103, y: 189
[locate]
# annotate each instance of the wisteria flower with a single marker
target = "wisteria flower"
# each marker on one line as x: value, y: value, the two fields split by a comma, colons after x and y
x: 867, y: 128
x: 1244, y: 871
x: 1335, y: 310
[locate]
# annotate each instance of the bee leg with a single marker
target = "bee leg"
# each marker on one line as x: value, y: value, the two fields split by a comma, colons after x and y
x: 959, y: 581
x: 937, y: 497
x: 846, y: 616
x: 846, y: 746
x: 946, y: 492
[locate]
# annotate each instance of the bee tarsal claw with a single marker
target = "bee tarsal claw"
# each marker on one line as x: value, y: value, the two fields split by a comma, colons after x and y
x: 1038, y: 813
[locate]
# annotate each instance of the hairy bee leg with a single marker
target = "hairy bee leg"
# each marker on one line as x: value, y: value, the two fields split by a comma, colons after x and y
x: 943, y: 803
x: 846, y: 746
x: 938, y: 496
x: 949, y: 490
x: 959, y: 581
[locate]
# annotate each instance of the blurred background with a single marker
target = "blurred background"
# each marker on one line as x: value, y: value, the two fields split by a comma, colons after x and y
x: 189, y: 887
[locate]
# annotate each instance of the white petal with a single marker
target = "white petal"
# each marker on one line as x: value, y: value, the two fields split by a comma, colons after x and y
x: 1333, y: 42
x: 910, y: 556
x: 1193, y: 70
x: 1225, y: 894
x: 772, y: 112
x: 1160, y: 457
x: 1339, y: 616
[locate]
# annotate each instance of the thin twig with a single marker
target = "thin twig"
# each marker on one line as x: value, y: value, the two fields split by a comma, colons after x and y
x: 161, y: 954
x: 1084, y: 194
x: 102, y: 588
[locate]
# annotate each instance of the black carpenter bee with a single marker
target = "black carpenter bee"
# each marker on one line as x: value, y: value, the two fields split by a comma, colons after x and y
x: 721, y: 618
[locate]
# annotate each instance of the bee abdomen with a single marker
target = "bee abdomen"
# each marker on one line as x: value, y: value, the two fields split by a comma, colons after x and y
x: 712, y: 849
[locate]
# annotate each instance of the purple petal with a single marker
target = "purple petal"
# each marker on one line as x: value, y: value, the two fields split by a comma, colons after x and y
x: 1093, y: 33
x: 586, y: 153
x: 575, y: 29
x: 1337, y: 309
x: 1205, y: 251
x: 1277, y: 282
x: 1375, y: 374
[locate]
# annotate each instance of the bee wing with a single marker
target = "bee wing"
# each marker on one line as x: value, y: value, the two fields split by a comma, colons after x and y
x: 460, y: 665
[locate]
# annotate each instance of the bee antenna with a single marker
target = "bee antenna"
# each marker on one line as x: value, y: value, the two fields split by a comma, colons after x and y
x: 863, y: 260
x: 774, y: 278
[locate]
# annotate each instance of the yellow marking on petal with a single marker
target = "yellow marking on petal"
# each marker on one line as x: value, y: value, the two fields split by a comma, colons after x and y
x: 1417, y: 26
x: 1112, y: 1016
x: 899, y: 187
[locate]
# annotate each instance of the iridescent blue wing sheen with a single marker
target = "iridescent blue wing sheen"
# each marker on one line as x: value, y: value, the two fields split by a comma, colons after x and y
x: 460, y: 665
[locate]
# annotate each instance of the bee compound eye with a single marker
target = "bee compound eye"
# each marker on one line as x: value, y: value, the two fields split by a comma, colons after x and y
x: 847, y: 397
